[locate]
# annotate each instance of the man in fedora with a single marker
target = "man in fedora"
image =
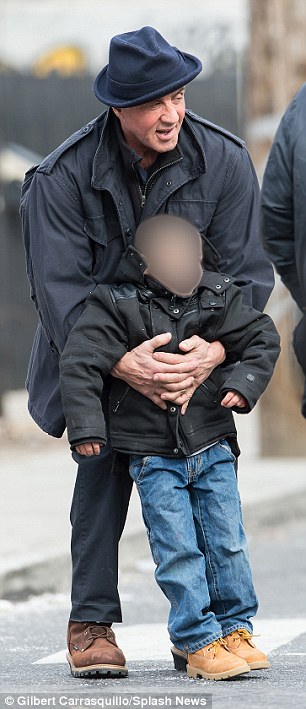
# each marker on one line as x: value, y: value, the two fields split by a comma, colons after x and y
x: 80, y: 208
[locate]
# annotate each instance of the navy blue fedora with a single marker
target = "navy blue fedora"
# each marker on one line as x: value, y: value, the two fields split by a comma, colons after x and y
x: 143, y: 66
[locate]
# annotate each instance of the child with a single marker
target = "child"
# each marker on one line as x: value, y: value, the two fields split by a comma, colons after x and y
x: 183, y: 464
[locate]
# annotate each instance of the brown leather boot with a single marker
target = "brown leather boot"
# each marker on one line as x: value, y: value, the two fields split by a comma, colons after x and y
x: 215, y: 661
x: 93, y: 651
x: 241, y: 644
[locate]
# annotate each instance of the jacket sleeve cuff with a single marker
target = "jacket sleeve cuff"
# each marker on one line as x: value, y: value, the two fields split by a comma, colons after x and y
x: 90, y: 439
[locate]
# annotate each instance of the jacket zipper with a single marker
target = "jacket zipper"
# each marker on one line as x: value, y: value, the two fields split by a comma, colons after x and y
x: 120, y: 399
x: 209, y: 393
x: 144, y: 193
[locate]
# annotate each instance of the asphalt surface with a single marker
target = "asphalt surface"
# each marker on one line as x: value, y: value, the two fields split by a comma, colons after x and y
x: 33, y: 666
x: 36, y: 489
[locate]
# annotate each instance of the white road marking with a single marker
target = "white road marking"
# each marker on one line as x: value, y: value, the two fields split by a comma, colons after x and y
x: 300, y: 654
x: 151, y: 642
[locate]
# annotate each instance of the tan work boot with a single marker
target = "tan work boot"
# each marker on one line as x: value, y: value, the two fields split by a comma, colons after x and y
x: 241, y: 644
x: 93, y: 651
x: 215, y: 661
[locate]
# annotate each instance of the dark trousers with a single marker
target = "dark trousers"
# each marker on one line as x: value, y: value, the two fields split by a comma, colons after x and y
x: 98, y: 513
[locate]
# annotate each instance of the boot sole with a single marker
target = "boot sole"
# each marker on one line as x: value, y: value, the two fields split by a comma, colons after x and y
x: 259, y: 665
x: 97, y: 670
x: 197, y: 673
x: 180, y: 662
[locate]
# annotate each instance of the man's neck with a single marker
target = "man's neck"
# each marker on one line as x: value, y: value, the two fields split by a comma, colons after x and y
x: 148, y: 156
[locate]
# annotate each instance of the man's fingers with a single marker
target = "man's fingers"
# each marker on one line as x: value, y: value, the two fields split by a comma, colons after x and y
x: 158, y: 341
x: 179, y: 397
x: 158, y: 401
x: 191, y: 343
x: 184, y: 407
x: 177, y: 386
x: 178, y: 363
x: 170, y: 378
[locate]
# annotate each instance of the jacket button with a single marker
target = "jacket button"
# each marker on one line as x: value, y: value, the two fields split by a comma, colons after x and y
x: 250, y: 377
x: 86, y: 129
x: 212, y: 302
x: 169, y: 183
x: 226, y: 280
x: 176, y: 311
x: 175, y: 450
x: 129, y: 232
x: 173, y: 409
x: 218, y: 286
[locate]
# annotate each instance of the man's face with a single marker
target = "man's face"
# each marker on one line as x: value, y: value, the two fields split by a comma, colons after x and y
x: 155, y: 125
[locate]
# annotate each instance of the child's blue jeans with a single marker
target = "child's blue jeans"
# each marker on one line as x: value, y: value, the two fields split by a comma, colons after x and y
x: 192, y: 511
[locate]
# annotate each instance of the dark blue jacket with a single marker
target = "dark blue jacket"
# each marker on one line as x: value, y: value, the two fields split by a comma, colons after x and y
x: 284, y: 212
x: 284, y: 199
x: 78, y: 218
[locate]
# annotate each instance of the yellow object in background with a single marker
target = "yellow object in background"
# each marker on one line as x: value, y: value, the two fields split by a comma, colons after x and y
x: 64, y: 60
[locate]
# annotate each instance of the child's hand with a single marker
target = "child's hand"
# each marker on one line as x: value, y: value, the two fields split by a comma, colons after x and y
x: 91, y: 448
x: 233, y: 399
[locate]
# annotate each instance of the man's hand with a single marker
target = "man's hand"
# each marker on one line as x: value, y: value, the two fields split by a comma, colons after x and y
x: 232, y: 398
x: 164, y: 376
x: 138, y: 368
x: 204, y: 357
x: 90, y: 448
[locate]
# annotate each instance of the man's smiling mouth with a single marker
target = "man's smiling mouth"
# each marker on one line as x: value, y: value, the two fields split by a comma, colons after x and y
x: 165, y: 132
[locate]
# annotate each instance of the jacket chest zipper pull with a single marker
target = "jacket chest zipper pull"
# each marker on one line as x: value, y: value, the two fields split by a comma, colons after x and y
x: 143, y: 198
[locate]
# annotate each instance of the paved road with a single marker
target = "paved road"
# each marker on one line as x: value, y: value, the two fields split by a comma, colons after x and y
x: 33, y: 631
x: 36, y: 490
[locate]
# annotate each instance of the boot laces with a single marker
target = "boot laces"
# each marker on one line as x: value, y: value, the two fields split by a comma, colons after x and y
x: 245, y: 634
x: 215, y: 645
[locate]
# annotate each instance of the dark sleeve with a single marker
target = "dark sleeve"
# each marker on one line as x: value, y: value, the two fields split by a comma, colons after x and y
x: 252, y: 338
x: 234, y: 231
x: 95, y: 344
x: 58, y: 254
x: 277, y: 206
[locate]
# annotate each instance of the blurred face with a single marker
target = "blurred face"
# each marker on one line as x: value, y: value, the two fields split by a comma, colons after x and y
x: 153, y: 127
x: 175, y: 261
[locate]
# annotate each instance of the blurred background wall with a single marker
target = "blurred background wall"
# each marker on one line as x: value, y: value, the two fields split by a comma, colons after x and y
x: 254, y: 59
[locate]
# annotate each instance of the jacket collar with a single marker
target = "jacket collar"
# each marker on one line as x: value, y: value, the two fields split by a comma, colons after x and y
x: 132, y: 266
x: 107, y: 155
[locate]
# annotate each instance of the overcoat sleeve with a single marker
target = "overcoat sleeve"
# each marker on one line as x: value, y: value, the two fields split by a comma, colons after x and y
x: 234, y: 231
x: 58, y: 253
x: 278, y: 208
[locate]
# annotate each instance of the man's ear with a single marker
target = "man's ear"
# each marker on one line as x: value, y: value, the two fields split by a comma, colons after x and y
x: 117, y: 111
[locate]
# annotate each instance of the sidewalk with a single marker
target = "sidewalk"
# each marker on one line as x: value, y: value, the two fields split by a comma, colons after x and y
x: 36, y: 490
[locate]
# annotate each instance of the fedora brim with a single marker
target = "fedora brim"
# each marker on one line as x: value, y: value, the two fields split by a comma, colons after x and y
x: 192, y: 65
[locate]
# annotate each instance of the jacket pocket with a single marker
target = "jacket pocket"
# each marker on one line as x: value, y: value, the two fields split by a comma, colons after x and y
x: 133, y: 415
x: 101, y: 229
x: 211, y: 387
x: 204, y: 411
x: 104, y: 233
x: 199, y: 211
